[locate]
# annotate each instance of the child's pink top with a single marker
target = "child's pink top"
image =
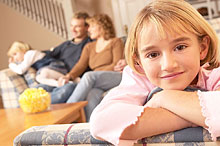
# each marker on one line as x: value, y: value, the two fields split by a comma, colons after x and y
x: 124, y: 104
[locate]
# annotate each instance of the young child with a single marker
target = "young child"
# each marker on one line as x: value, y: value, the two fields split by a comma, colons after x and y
x: 22, y: 57
x: 171, y: 46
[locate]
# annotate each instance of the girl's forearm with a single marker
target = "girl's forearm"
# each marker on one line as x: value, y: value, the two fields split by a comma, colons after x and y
x: 185, y: 104
x: 154, y: 121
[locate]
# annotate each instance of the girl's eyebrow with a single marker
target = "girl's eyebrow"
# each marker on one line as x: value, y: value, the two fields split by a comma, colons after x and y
x: 180, y: 39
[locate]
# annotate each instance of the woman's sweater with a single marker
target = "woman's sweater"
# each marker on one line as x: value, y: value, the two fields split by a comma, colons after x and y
x: 101, y: 61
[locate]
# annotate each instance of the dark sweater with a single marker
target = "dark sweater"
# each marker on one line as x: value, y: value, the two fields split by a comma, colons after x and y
x: 69, y: 52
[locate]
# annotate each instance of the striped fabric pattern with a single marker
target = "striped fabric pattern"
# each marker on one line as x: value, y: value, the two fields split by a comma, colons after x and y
x: 12, y: 85
x: 79, y: 134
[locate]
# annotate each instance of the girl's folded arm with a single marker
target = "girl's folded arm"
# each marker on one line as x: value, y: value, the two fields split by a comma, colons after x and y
x: 154, y: 121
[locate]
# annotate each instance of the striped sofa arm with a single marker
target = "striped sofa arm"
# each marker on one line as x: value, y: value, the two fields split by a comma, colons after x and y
x: 12, y: 85
x: 79, y: 134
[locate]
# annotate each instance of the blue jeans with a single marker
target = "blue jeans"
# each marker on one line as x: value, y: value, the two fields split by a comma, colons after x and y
x: 92, y: 86
x: 59, y: 94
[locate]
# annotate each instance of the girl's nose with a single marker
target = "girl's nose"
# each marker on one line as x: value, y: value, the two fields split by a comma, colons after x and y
x: 168, y: 62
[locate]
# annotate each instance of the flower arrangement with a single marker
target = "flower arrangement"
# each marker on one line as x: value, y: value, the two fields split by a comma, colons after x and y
x: 34, y: 100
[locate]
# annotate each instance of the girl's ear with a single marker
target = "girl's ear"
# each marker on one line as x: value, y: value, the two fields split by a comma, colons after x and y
x: 205, y: 43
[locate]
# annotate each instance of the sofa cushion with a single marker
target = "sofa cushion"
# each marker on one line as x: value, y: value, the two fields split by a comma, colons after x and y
x: 12, y: 85
x: 30, y: 78
x: 79, y: 134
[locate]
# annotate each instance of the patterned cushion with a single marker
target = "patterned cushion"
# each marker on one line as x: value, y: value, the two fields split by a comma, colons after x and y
x: 79, y: 134
x: 30, y: 78
x: 12, y: 85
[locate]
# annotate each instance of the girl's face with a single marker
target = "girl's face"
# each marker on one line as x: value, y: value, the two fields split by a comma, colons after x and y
x: 172, y: 62
x: 18, y: 56
x: 95, y: 31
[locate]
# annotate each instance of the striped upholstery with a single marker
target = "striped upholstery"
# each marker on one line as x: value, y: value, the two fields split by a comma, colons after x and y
x: 79, y: 134
x: 12, y: 85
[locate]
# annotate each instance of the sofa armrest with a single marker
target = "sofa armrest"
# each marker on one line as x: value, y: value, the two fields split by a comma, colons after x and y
x: 11, y: 86
x: 79, y: 134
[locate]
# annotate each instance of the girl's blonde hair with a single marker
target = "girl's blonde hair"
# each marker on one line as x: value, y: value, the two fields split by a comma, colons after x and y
x: 174, y: 16
x: 106, y: 24
x: 18, y: 46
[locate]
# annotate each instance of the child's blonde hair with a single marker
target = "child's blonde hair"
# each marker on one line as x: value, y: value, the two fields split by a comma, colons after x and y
x: 174, y: 16
x: 18, y: 46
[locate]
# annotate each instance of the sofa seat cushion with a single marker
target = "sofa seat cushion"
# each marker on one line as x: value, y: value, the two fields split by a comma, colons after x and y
x: 79, y: 134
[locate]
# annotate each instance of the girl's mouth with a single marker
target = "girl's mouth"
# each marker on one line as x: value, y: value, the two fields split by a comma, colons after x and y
x: 171, y: 76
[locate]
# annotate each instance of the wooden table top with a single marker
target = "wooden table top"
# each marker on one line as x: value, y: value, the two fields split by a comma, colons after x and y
x: 14, y: 121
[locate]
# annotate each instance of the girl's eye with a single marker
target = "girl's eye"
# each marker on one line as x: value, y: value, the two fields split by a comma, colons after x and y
x: 180, y: 47
x: 152, y: 55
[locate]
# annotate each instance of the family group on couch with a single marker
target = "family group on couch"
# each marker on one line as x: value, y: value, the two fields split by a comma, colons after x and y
x: 79, y: 69
x: 172, y: 56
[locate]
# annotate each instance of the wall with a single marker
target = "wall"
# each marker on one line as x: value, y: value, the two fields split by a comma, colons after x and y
x: 15, y: 26
x: 94, y: 6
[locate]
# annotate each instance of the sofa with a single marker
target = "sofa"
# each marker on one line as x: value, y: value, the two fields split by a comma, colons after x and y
x: 78, y: 134
x: 12, y: 85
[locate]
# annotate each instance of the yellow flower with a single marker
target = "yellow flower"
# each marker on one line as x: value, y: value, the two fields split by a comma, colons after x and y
x: 34, y: 100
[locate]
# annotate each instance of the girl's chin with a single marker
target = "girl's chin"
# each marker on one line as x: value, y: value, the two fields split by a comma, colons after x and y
x: 173, y: 88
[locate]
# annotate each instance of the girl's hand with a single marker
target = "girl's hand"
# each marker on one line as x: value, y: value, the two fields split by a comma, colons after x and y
x: 159, y: 99
x: 155, y: 101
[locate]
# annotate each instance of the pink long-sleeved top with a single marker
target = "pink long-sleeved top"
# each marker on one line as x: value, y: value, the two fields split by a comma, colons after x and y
x: 122, y: 106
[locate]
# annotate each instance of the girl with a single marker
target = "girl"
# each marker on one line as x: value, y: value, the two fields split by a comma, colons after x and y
x: 171, y: 46
x: 21, y: 57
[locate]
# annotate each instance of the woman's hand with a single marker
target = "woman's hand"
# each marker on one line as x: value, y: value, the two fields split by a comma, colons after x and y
x: 63, y: 80
x: 120, y: 65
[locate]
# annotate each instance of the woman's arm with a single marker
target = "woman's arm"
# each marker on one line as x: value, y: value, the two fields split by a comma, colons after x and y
x: 82, y: 64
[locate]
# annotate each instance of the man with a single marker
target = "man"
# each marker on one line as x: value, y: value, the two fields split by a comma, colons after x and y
x: 69, y: 52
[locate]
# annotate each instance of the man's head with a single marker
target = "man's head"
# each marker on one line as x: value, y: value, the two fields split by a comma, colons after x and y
x: 78, y: 26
